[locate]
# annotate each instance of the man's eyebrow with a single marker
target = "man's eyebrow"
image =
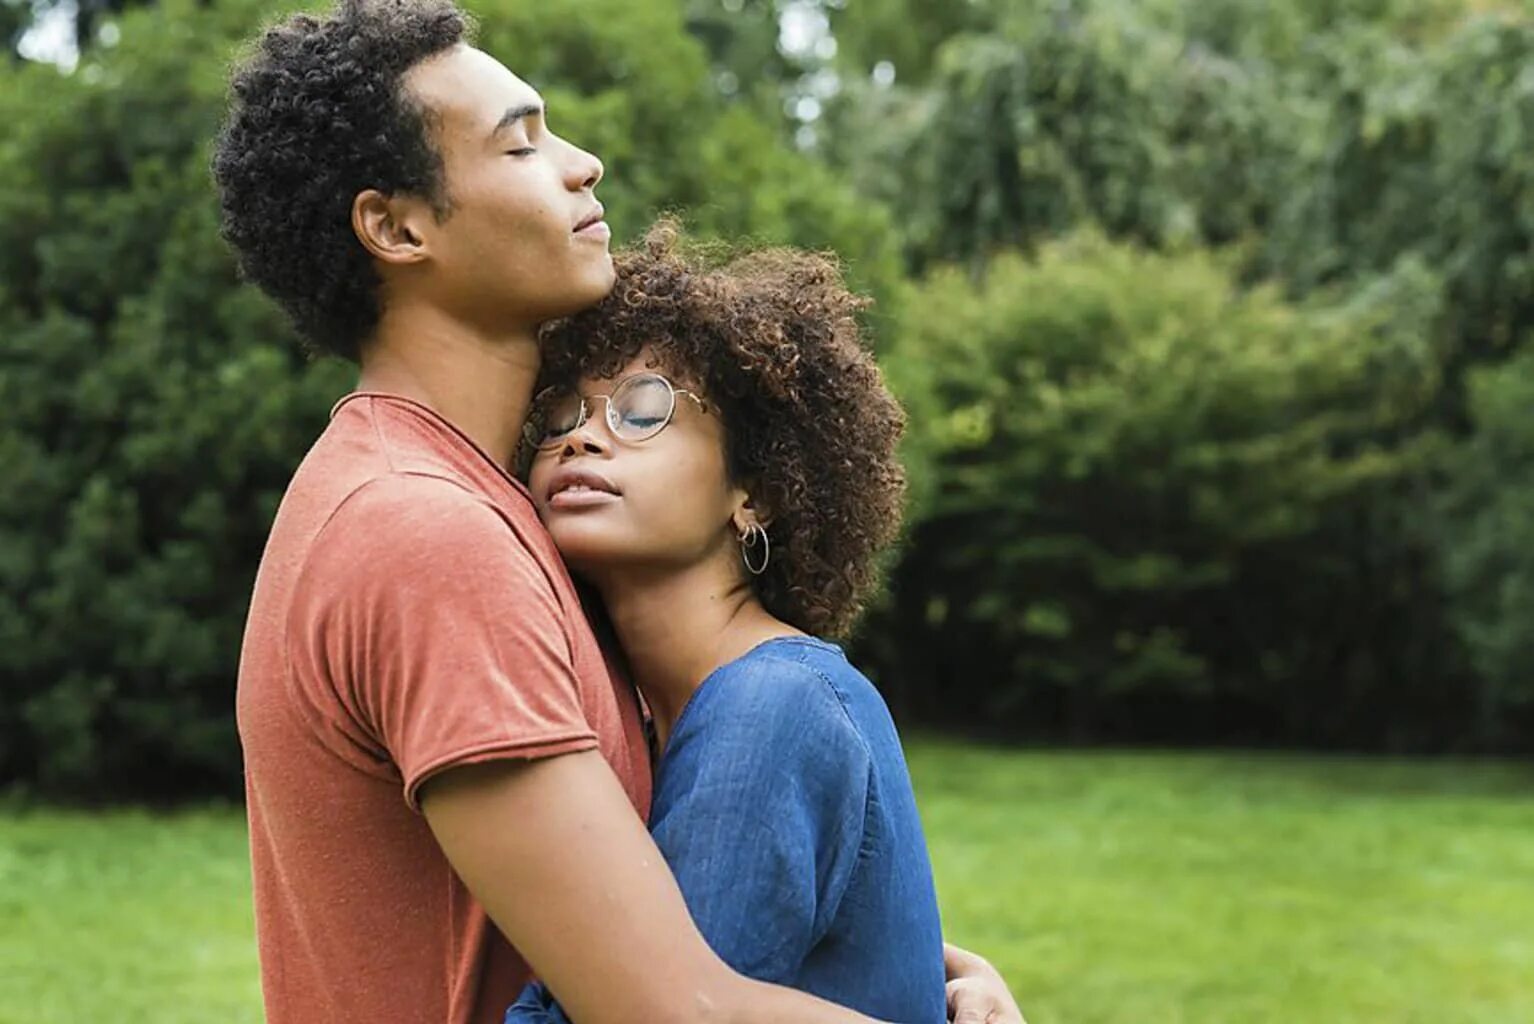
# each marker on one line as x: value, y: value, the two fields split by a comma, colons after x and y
x: 515, y: 114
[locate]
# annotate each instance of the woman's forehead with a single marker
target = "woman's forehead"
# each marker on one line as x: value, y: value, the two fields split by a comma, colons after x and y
x: 649, y: 359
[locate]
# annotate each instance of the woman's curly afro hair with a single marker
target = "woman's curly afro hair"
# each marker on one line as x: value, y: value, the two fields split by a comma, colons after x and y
x: 318, y: 114
x: 772, y: 340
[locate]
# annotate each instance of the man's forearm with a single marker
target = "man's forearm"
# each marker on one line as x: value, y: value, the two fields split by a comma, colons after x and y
x: 759, y: 1003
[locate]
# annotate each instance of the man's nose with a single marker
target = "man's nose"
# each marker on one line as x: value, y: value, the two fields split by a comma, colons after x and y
x: 585, y: 168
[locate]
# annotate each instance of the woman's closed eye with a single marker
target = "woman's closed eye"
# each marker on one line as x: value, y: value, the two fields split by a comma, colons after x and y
x: 642, y: 422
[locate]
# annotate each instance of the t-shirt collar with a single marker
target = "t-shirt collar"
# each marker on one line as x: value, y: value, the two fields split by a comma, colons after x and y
x: 442, y: 421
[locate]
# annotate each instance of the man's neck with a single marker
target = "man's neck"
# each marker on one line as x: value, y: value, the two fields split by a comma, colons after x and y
x: 677, y: 627
x: 482, y: 385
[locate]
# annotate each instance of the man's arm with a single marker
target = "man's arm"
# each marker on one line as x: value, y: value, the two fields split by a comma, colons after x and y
x: 554, y: 851
x: 759, y: 813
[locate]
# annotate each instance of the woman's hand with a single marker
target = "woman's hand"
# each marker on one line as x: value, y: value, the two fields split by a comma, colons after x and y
x: 976, y: 992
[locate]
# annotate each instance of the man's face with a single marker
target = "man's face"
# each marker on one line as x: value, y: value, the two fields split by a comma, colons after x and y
x: 519, y: 245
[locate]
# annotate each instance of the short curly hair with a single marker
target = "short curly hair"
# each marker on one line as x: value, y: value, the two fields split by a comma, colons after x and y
x: 772, y: 339
x: 318, y: 114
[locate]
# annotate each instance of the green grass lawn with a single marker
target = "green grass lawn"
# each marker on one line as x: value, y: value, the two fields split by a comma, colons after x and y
x: 1135, y: 888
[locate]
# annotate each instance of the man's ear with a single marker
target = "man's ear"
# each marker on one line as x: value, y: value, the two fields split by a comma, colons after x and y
x: 391, y: 228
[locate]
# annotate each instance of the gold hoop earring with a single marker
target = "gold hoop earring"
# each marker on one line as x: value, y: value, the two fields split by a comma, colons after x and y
x: 748, y: 543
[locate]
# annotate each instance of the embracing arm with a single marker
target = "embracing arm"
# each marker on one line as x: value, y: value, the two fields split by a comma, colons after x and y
x: 554, y: 851
x: 976, y: 992
x: 582, y: 927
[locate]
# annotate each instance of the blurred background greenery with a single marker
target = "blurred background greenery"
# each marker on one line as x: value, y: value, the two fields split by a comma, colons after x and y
x: 1215, y: 321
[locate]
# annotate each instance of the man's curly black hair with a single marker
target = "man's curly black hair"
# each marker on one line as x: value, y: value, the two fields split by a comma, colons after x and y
x: 772, y: 340
x: 318, y: 114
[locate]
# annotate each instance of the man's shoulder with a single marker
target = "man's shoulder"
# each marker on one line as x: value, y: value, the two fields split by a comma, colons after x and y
x: 386, y: 497
x: 405, y: 517
x: 382, y: 475
x: 393, y: 434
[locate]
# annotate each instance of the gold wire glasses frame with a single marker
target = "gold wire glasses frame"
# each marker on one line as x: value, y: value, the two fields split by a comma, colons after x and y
x: 625, y: 422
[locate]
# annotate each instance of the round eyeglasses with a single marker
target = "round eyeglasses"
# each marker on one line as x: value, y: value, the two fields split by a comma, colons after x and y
x: 638, y: 408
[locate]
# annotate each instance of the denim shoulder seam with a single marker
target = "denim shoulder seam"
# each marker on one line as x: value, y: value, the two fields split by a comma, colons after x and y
x: 870, y: 798
x: 803, y: 659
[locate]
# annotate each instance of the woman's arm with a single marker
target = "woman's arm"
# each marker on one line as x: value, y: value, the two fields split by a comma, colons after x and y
x: 977, y: 993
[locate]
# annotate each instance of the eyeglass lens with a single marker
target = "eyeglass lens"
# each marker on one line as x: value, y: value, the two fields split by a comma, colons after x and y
x: 637, y: 410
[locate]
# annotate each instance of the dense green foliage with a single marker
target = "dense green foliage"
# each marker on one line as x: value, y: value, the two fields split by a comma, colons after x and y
x: 1145, y: 489
x: 1212, y: 318
x: 1157, y: 889
x: 1489, y: 541
x: 152, y: 411
x: 1114, y: 570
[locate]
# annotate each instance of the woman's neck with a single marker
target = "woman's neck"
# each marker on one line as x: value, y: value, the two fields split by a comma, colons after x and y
x: 677, y: 627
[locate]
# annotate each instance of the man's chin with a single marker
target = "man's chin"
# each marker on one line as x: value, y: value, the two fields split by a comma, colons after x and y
x: 590, y: 290
x: 606, y: 276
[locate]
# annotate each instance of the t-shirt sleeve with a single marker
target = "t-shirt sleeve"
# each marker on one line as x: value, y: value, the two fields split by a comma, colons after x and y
x: 434, y: 634
x: 760, y: 812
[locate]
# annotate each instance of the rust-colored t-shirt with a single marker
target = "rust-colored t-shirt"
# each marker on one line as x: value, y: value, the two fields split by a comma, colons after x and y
x: 410, y: 615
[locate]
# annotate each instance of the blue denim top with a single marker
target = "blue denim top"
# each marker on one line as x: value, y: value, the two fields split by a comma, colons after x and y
x: 784, y: 807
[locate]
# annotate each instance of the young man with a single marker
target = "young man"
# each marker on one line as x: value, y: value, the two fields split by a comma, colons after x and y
x: 436, y: 754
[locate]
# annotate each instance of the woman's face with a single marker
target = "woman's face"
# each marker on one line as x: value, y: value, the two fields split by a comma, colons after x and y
x: 610, y: 501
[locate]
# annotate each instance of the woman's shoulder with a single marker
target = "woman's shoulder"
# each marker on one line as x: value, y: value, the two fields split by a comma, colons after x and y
x: 788, y: 688
x: 794, y: 672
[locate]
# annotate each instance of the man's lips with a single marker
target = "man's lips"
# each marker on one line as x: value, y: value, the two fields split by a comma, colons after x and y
x: 593, y: 225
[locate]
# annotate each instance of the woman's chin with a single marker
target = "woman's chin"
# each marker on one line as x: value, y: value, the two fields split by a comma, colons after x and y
x: 584, y: 546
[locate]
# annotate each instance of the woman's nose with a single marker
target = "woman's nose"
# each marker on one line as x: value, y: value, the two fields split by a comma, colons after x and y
x: 590, y: 438
x: 575, y: 445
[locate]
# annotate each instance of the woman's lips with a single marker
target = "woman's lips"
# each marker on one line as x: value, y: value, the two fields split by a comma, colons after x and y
x: 580, y: 497
x: 579, y: 486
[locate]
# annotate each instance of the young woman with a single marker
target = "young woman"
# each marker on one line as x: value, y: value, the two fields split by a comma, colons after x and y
x: 715, y: 457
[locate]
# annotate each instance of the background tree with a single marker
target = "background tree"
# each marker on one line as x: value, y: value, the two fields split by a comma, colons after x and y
x: 1143, y: 490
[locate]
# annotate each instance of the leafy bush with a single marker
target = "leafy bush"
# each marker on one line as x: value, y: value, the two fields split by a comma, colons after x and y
x: 1488, y: 546
x: 1156, y: 497
x: 1146, y: 493
x: 150, y: 412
